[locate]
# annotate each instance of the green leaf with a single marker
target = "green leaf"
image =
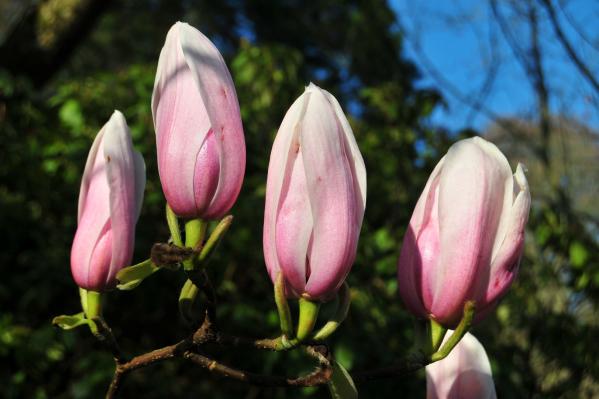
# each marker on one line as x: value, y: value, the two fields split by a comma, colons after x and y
x: 67, y: 322
x: 578, y: 254
x: 130, y: 277
x: 341, y: 385
x: 71, y: 116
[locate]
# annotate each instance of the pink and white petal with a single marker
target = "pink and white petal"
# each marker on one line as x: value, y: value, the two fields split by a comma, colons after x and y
x: 164, y: 74
x: 426, y: 200
x: 502, y: 163
x: 181, y: 123
x: 504, y: 266
x: 94, y: 211
x: 87, y: 172
x: 120, y: 173
x: 332, y: 198
x: 410, y: 275
x: 220, y: 100
x: 140, y: 181
x: 280, y: 163
x: 357, y: 162
x: 464, y: 374
x: 471, y: 200
x: 99, y: 267
x: 429, y: 251
x: 294, y: 226
x: 207, y: 170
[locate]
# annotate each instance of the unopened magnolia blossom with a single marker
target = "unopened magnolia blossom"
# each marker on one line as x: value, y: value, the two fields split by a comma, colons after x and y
x: 464, y: 374
x: 109, y: 204
x: 315, y: 197
x: 466, y: 235
x: 199, y: 136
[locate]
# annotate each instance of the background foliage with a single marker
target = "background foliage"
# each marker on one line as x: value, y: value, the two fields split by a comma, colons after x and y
x: 58, y: 86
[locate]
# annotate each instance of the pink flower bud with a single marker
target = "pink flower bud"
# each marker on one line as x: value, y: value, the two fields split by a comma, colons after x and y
x: 466, y: 235
x: 464, y: 374
x: 315, y: 197
x: 201, y: 148
x: 109, y: 204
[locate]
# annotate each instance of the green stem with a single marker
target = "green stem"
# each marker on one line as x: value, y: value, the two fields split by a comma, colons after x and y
x: 459, y: 332
x: 92, y: 303
x: 283, y: 306
x: 308, y: 313
x: 83, y: 297
x: 195, y: 231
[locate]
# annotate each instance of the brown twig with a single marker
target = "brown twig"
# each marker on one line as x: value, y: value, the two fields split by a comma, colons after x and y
x: 191, y: 349
x: 408, y: 365
x: 202, y: 281
x: 144, y: 360
x: 582, y: 67
x: 106, y: 336
x: 318, y: 377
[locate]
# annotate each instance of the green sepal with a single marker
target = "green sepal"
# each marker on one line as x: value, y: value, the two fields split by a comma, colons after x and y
x: 308, y: 313
x: 457, y: 334
x: 130, y: 277
x: 215, y: 237
x: 329, y: 328
x: 341, y: 385
x: 187, y: 297
x: 68, y: 322
x: 283, y: 307
x: 173, y: 226
x: 436, y: 333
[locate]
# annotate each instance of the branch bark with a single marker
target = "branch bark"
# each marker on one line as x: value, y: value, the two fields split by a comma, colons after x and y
x: 21, y: 54
x: 584, y: 70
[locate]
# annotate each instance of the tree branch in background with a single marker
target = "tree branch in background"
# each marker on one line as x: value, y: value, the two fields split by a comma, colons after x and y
x: 538, y: 76
x: 476, y: 103
x: 532, y: 63
x: 584, y: 70
x: 24, y: 52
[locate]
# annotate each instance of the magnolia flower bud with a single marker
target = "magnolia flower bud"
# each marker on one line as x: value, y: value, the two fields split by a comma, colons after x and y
x: 466, y: 235
x: 315, y: 197
x: 199, y: 136
x: 464, y: 374
x: 109, y: 204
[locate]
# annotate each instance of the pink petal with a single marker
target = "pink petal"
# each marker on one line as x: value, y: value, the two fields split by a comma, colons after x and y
x: 140, y: 181
x: 464, y: 374
x: 280, y: 162
x: 471, y: 203
x: 120, y: 172
x: 181, y: 122
x: 420, y: 242
x: 207, y: 172
x: 93, y: 213
x: 294, y: 225
x: 217, y: 90
x: 332, y: 197
x: 356, y: 161
x: 504, y: 266
x: 99, y: 265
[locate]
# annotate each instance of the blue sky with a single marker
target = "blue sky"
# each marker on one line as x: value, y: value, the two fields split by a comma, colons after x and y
x: 461, y: 40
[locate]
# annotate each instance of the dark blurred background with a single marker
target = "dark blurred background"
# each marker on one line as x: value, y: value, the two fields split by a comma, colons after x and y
x: 65, y: 65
